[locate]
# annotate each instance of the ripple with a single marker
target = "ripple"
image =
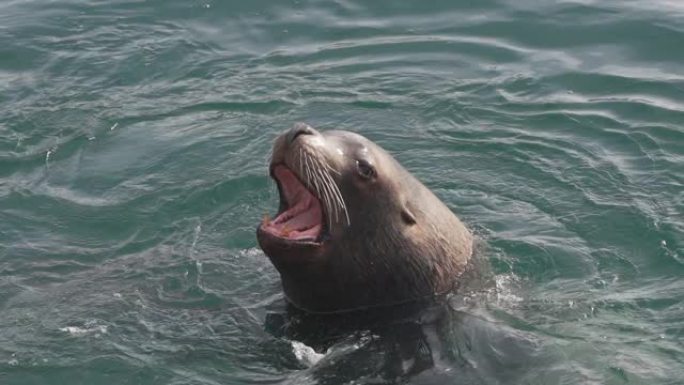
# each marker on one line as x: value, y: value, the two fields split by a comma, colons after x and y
x: 134, y: 139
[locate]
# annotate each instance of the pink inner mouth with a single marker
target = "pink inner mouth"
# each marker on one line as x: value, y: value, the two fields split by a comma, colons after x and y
x: 303, y: 218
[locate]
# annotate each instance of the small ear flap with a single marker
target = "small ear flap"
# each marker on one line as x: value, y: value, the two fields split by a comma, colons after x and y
x: 407, y: 215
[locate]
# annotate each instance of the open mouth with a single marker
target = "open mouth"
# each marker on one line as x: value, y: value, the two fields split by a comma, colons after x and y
x: 300, y: 218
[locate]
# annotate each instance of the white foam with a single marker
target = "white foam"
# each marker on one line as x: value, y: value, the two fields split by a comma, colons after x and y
x: 505, y: 286
x: 78, y: 332
x: 305, y: 354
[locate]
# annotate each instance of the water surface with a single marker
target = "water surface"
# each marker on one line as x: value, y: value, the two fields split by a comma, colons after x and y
x: 133, y: 148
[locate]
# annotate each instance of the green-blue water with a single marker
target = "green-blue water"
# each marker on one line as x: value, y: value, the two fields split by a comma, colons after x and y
x: 134, y: 138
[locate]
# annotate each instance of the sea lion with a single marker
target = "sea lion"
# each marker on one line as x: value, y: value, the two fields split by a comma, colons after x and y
x: 354, y: 229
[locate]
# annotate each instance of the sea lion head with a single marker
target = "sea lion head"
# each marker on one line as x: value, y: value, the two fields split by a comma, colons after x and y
x: 354, y: 229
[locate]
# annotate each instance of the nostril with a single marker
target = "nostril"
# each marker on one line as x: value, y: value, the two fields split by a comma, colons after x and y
x: 300, y: 129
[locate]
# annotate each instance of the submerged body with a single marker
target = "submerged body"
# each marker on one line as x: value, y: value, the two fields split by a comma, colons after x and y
x: 354, y: 228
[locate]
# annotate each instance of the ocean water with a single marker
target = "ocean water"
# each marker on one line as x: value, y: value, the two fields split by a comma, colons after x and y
x: 134, y: 140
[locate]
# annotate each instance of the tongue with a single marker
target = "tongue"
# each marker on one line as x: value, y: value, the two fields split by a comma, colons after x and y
x: 302, y: 220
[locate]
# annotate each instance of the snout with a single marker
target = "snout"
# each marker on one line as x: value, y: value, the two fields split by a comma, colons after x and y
x: 299, y: 129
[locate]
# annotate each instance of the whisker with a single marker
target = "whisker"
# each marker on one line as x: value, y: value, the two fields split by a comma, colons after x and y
x: 308, y: 170
x: 319, y: 179
x: 327, y: 193
x: 301, y: 170
x: 330, y: 188
x: 314, y: 174
x: 331, y: 195
x: 319, y: 186
x: 336, y: 192
x: 330, y: 169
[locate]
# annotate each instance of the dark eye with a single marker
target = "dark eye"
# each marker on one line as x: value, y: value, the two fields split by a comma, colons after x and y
x: 365, y: 169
